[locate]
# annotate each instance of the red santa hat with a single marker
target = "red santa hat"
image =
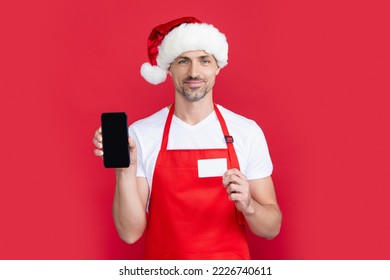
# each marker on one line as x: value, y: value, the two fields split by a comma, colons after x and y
x: 167, y: 41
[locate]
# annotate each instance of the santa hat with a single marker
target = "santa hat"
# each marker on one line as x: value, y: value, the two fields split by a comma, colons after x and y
x: 167, y: 41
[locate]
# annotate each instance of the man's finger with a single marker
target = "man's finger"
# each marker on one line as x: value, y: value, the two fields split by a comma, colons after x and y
x: 98, y: 152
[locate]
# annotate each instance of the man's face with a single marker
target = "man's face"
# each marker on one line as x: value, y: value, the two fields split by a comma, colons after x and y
x: 193, y: 74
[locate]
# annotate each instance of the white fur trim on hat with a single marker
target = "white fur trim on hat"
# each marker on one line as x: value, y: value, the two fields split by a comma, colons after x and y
x: 191, y: 37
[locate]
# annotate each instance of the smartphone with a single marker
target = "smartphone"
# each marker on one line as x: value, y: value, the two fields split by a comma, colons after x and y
x: 115, y: 140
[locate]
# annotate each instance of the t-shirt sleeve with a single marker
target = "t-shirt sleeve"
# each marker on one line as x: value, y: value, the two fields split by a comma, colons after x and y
x: 259, y: 161
x: 140, y: 166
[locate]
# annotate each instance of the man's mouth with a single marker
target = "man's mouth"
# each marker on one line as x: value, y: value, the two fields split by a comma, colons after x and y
x: 194, y: 83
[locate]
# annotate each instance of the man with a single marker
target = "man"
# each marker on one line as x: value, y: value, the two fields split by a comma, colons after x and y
x: 200, y: 170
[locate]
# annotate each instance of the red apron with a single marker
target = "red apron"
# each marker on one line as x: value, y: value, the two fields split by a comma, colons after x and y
x: 192, y: 217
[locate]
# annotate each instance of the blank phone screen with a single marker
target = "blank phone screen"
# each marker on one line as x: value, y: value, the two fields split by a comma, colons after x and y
x: 115, y: 140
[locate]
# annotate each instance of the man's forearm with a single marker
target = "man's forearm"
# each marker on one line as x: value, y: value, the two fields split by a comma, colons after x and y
x: 128, y: 208
x: 263, y: 220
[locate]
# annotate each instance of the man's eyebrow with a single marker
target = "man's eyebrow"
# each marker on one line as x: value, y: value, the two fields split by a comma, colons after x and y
x: 182, y: 57
x: 199, y: 57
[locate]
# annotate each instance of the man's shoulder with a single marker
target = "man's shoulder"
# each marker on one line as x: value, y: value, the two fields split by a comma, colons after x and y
x: 153, y: 121
x: 233, y: 118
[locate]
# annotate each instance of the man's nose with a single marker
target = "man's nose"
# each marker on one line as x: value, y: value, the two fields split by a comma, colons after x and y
x: 193, y: 70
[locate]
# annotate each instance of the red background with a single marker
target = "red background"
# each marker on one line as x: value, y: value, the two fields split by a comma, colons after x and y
x: 313, y: 74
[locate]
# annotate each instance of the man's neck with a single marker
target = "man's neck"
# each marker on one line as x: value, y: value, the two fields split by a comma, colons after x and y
x: 193, y: 112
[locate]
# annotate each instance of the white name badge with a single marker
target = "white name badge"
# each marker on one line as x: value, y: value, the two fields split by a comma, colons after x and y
x: 212, y: 167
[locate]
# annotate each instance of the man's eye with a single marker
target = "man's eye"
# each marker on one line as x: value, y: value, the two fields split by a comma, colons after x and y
x: 183, y: 61
x: 205, y: 61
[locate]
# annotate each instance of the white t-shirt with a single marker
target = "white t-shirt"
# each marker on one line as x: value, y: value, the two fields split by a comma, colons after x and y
x: 249, y: 141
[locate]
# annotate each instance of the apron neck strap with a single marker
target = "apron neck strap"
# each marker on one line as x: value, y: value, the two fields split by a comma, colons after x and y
x: 167, y: 127
x: 228, y: 139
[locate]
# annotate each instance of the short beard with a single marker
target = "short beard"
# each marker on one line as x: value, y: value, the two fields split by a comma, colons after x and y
x: 193, y: 98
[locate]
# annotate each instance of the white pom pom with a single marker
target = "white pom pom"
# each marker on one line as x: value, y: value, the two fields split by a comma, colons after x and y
x: 153, y: 74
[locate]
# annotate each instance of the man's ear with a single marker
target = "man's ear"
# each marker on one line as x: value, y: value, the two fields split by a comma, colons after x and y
x: 169, y: 71
x: 217, y: 72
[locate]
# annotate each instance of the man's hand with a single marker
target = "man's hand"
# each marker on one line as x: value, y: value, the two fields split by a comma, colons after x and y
x: 237, y: 187
x: 98, y: 142
x: 256, y: 199
x: 98, y: 151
